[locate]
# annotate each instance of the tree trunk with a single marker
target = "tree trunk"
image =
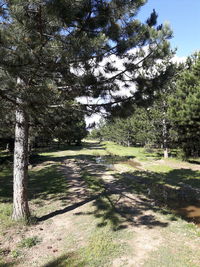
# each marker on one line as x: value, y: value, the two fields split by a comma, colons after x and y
x: 165, y: 138
x: 20, y: 173
x: 166, y: 153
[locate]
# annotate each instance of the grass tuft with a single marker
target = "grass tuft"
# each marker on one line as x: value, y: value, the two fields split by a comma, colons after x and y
x: 29, y: 242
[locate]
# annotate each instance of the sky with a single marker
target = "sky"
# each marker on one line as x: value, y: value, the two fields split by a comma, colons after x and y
x: 184, y: 19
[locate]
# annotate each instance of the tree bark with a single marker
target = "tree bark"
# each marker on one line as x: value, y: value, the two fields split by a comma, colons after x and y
x: 20, y: 172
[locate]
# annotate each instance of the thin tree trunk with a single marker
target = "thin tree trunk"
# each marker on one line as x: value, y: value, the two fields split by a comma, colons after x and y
x: 166, y: 155
x: 20, y: 173
x: 165, y: 143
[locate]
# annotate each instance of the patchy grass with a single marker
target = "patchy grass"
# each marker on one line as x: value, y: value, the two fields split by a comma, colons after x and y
x: 95, y: 184
x: 97, y: 232
x: 5, y: 197
x: 45, y: 184
x: 94, y: 244
x: 29, y: 242
x: 5, y: 216
x: 85, y: 150
x: 102, y: 247
x: 144, y: 154
x: 179, y: 247
x: 158, y: 171
x: 176, y: 256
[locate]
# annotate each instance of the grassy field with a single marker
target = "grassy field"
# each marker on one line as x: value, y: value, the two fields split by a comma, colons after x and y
x: 87, y: 214
x: 171, y: 171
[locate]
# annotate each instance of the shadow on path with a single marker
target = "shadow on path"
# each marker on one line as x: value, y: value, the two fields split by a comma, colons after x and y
x: 112, y: 201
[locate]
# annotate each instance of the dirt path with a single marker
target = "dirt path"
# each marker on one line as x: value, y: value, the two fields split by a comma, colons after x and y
x: 53, y: 230
x: 68, y: 228
x: 137, y: 215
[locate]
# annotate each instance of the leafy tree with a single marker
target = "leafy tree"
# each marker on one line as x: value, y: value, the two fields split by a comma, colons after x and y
x: 53, y: 51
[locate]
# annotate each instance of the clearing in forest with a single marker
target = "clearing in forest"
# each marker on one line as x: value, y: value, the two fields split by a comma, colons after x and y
x: 93, y: 209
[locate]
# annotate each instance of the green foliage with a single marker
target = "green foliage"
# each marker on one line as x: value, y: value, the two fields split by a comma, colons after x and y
x: 185, y: 108
x: 50, y: 51
x: 170, y: 121
x: 144, y: 128
x: 66, y: 124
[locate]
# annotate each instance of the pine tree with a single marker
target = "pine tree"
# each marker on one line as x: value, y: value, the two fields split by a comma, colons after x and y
x: 185, y: 107
x: 64, y: 123
x: 53, y: 50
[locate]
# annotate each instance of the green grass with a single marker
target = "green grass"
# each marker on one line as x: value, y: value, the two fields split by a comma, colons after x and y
x: 144, y: 154
x: 48, y: 183
x: 131, y: 152
x: 85, y: 150
x: 174, y: 256
x: 101, y: 248
x: 159, y: 168
x: 159, y: 172
x: 175, y: 249
x: 29, y: 242
x: 118, y: 150
x: 101, y: 243
x: 95, y: 184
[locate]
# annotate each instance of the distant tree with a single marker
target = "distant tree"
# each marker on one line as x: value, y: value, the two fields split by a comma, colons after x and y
x: 65, y: 123
x: 185, y: 107
x: 149, y: 121
x: 132, y: 130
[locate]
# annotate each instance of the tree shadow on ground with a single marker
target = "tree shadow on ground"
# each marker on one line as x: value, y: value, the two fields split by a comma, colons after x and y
x: 44, y: 182
x: 176, y: 190
x: 121, y: 211
x: 193, y: 161
x: 69, y: 259
x: 6, y: 183
x: 176, y: 177
x: 111, y: 199
x: 114, y: 201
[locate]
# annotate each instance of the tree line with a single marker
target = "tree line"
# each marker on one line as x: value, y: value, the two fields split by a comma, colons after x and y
x: 172, y: 120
